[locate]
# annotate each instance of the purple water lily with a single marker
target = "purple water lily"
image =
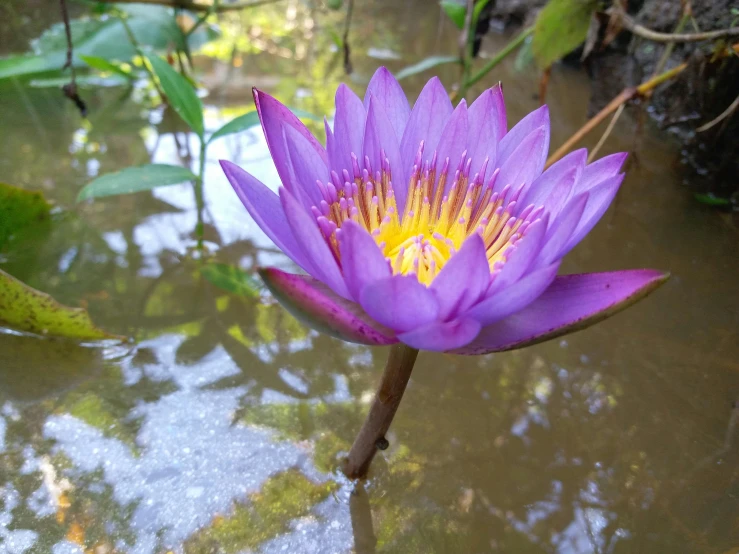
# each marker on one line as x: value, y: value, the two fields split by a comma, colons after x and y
x: 436, y: 227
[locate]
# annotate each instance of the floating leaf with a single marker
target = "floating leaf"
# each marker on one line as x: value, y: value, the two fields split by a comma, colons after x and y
x: 20, y: 209
x: 135, y: 179
x: 561, y: 27
x: 26, y: 309
x: 455, y: 11
x: 237, y: 125
x: 231, y: 279
x: 711, y: 200
x: 423, y: 65
x: 180, y: 94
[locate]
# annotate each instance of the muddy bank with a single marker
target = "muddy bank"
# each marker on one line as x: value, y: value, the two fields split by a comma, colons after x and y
x: 696, y: 97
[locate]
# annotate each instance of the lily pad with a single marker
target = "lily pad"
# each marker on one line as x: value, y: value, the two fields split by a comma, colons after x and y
x: 26, y: 309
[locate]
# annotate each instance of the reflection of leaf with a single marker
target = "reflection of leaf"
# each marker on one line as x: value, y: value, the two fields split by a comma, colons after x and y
x: 20, y: 209
x: 423, y: 65
x: 237, y: 125
x: 455, y: 11
x: 180, y: 94
x: 95, y: 411
x: 135, y: 179
x: 231, y: 278
x: 283, y: 498
x: 560, y: 28
x: 26, y: 309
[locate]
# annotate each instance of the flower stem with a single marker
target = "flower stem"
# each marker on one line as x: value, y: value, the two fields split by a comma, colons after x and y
x: 199, y: 201
x: 371, y: 436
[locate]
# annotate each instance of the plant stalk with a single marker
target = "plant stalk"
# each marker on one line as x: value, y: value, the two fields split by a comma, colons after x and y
x: 199, y: 197
x: 371, y: 437
x: 499, y: 57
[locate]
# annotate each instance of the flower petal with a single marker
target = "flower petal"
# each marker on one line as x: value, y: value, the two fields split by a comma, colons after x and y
x: 391, y: 97
x: 362, y: 261
x: 306, y: 168
x: 559, y: 233
x: 348, y: 130
x: 264, y: 207
x: 317, y: 306
x: 273, y: 115
x: 509, y: 143
x: 600, y: 170
x: 426, y: 122
x: 553, y: 187
x: 599, y: 198
x: 514, y: 298
x: 379, y: 137
x: 526, y: 162
x: 453, y: 142
x: 487, y: 125
x: 527, y: 249
x: 571, y: 303
x: 463, y: 280
x: 400, y: 303
x: 313, y: 245
x: 440, y: 337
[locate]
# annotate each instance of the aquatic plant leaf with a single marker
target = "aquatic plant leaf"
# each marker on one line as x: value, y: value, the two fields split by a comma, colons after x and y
x: 19, y: 210
x: 708, y: 199
x: 237, y: 125
x: 26, y: 309
x: 180, y: 94
x: 455, y: 11
x: 561, y: 27
x: 231, y: 278
x: 135, y: 179
x: 425, y: 64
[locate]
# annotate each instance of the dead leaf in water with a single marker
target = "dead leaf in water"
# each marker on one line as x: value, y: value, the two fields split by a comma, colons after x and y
x: 26, y: 309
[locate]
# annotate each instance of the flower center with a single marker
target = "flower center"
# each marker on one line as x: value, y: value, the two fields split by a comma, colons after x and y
x: 439, y: 214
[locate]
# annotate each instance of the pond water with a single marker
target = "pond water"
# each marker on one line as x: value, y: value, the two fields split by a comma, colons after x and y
x: 218, y: 430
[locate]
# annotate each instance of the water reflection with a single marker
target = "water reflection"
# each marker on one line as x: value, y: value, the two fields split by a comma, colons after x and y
x: 219, y: 431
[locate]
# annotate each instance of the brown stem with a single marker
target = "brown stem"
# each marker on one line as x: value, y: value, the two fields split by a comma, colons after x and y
x: 641, y: 31
x: 365, y: 540
x: 371, y: 436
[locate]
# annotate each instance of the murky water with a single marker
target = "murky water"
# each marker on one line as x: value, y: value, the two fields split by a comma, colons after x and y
x: 218, y: 431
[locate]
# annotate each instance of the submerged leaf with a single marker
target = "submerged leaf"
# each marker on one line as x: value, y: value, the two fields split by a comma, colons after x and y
x: 135, y: 179
x: 26, y: 309
x: 20, y: 209
x: 180, y: 94
x: 561, y: 27
x: 423, y: 65
x: 231, y: 278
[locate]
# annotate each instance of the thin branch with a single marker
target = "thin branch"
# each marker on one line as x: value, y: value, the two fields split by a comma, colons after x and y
x: 726, y: 113
x: 655, y: 36
x: 607, y: 133
x: 500, y: 56
x: 70, y: 89
x: 195, y: 6
x: 348, y: 68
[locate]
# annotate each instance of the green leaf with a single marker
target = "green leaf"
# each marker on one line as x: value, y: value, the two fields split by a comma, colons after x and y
x: 181, y: 95
x: 135, y: 179
x: 82, y: 81
x: 18, y: 66
x: 101, y: 64
x: 455, y: 11
x: 711, y: 200
x: 524, y: 57
x: 231, y: 279
x: 237, y: 125
x: 560, y: 28
x: 477, y: 10
x: 423, y: 65
x: 302, y: 114
x: 20, y: 209
x: 26, y: 309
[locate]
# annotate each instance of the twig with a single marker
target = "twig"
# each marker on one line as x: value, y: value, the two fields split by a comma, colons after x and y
x: 70, y: 89
x: 655, y: 36
x: 194, y: 6
x: 606, y: 134
x: 726, y: 113
x: 348, y: 68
